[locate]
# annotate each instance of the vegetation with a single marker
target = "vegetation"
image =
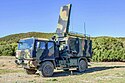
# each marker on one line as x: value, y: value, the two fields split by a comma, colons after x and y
x: 104, y: 48
x: 108, y: 49
x: 8, y: 44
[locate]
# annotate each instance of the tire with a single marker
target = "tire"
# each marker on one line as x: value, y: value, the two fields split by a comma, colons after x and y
x: 65, y: 69
x: 82, y: 66
x: 46, y: 69
x: 29, y: 71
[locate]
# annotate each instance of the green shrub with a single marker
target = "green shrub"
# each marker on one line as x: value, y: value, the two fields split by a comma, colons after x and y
x: 104, y: 48
x: 108, y: 49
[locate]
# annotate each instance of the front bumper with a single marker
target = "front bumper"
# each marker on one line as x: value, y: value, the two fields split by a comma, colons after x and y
x: 27, y: 63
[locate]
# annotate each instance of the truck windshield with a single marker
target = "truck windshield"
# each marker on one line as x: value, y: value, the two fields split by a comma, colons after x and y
x: 25, y: 44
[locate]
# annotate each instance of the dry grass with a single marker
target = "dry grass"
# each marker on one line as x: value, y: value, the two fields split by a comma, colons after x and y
x: 102, y: 72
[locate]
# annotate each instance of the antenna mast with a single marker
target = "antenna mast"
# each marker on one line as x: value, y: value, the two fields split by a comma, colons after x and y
x: 84, y: 28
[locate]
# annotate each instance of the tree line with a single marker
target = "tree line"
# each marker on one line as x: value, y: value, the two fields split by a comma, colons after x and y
x: 104, y: 48
x: 108, y: 49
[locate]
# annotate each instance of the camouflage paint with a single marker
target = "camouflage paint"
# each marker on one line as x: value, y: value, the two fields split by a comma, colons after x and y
x: 39, y: 53
x: 24, y: 57
x: 87, y: 48
x: 63, y: 22
x: 80, y: 47
x: 84, y: 47
x: 48, y: 50
x: 23, y: 54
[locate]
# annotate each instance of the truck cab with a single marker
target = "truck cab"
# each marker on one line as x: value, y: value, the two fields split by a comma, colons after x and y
x: 32, y: 52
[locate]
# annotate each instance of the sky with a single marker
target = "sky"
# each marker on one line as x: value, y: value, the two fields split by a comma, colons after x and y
x: 101, y: 17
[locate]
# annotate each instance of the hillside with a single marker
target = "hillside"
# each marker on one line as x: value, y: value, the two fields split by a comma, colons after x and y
x: 15, y: 37
x: 8, y: 44
x: 104, y: 48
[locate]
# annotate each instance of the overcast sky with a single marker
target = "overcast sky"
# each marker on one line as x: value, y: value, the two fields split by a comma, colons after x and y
x: 102, y: 17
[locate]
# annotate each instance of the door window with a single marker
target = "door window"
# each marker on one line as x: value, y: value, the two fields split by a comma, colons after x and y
x: 51, y: 48
x: 42, y: 45
x: 50, y: 45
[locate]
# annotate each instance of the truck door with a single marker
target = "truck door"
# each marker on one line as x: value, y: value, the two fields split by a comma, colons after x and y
x: 51, y: 49
x: 40, y: 47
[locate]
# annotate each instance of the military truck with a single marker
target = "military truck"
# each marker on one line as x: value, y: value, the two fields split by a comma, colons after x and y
x: 63, y: 51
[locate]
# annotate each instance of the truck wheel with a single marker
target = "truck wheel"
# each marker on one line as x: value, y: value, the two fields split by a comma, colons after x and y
x: 46, y: 69
x: 82, y: 66
x: 29, y: 71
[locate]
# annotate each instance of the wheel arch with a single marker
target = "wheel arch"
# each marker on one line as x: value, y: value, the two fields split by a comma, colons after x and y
x: 83, y: 58
x: 52, y: 61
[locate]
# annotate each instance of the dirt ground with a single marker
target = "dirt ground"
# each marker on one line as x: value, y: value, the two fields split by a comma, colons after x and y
x: 101, y: 72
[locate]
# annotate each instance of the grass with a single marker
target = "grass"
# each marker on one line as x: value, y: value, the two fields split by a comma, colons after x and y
x: 5, y: 71
x: 101, y: 72
x: 97, y: 73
